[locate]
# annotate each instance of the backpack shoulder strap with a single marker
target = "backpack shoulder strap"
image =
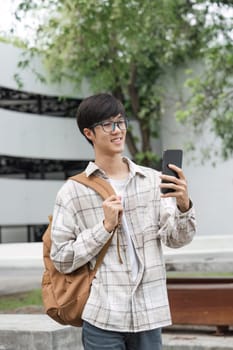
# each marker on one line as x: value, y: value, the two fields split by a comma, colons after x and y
x: 96, y: 183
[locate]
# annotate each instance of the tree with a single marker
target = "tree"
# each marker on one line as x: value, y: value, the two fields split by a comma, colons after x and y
x: 125, y: 47
x: 210, y: 105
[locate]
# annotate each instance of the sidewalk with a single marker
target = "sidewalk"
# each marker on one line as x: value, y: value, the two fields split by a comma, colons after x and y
x: 196, y: 338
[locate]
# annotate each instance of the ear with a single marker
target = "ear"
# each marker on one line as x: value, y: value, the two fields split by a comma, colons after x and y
x: 89, y: 134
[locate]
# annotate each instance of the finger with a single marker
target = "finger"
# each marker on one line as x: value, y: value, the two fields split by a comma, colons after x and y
x: 113, y: 204
x: 120, y: 213
x: 168, y: 195
x: 169, y: 178
x: 113, y: 198
x: 169, y: 185
x: 178, y: 191
x: 178, y: 170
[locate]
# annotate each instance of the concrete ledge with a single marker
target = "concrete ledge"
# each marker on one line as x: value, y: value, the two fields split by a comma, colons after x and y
x: 37, y: 332
x: 204, y: 253
x: 21, y: 255
x: 17, y: 280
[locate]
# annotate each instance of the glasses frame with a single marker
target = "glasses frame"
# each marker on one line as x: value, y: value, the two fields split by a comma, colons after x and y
x: 114, y: 125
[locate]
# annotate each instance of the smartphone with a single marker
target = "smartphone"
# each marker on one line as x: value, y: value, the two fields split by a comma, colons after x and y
x: 171, y: 156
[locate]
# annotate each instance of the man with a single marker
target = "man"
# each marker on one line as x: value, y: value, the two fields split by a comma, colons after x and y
x: 128, y: 304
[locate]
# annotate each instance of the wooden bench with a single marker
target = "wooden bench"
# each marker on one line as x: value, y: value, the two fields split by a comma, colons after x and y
x: 202, y: 301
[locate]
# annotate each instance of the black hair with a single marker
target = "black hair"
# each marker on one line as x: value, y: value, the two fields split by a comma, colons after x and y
x: 96, y: 108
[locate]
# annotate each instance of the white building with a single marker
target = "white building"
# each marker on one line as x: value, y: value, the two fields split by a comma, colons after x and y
x: 49, y: 143
x: 39, y: 147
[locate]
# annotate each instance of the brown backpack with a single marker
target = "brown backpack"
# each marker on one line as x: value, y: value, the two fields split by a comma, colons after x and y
x: 65, y: 295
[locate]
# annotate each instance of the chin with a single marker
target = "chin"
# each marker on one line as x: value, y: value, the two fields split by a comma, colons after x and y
x: 118, y: 151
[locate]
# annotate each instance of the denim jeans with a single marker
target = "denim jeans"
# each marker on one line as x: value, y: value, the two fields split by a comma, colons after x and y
x: 94, y: 338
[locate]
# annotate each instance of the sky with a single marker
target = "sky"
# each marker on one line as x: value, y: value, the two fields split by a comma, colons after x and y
x: 8, y: 21
x: 7, y: 18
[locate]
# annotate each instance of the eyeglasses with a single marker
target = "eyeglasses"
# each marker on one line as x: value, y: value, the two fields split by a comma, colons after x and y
x: 110, y: 126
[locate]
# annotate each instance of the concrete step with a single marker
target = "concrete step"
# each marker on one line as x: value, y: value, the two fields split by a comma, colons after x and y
x: 37, y: 332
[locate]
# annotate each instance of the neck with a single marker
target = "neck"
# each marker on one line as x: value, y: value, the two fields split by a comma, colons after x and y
x: 114, y: 167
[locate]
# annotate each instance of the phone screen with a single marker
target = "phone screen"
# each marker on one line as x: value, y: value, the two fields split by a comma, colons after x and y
x: 171, y: 156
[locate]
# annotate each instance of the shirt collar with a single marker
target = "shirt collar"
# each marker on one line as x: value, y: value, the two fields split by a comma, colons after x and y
x: 93, y: 168
x: 133, y: 168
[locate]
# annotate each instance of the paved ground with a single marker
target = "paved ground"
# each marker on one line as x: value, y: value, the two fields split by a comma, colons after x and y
x: 196, y: 338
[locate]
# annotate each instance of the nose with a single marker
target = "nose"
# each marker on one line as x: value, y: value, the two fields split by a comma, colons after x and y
x: 114, y: 125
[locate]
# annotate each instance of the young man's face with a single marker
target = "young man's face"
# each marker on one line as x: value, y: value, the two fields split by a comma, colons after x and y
x: 108, y: 136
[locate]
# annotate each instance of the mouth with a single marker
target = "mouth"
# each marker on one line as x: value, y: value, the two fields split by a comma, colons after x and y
x: 116, y: 140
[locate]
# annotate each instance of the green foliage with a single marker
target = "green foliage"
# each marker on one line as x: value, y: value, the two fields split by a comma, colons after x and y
x: 223, y: 126
x: 211, y: 91
x: 18, y: 81
x: 211, y: 98
x: 12, y: 302
x: 147, y: 157
x: 125, y: 47
x: 198, y: 274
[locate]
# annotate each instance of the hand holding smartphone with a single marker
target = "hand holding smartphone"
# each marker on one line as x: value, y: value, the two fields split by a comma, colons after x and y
x: 171, y: 156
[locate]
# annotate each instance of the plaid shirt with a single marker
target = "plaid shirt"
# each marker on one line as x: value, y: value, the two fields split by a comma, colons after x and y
x: 116, y: 302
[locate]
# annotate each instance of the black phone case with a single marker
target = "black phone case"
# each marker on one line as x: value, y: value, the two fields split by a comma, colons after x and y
x: 171, y: 156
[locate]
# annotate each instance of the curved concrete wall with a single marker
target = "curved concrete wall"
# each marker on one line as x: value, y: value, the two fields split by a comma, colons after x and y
x: 29, y: 202
x: 9, y: 58
x: 25, y: 202
x: 34, y: 136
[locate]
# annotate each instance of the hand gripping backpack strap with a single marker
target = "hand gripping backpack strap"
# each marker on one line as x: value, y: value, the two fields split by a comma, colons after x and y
x: 105, y: 190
